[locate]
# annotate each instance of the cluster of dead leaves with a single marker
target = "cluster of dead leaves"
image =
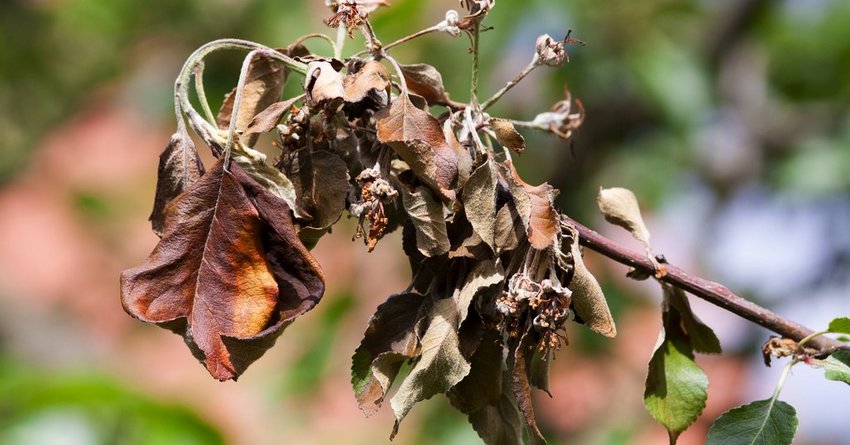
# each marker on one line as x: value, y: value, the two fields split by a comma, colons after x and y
x: 498, y: 272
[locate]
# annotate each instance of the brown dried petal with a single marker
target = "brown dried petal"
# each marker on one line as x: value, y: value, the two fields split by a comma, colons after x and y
x: 507, y: 135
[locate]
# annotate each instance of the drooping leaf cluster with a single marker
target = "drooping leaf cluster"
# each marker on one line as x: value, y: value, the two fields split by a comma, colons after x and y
x: 497, y: 271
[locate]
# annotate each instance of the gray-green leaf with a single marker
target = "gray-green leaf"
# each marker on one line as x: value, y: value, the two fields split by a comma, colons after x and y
x: 441, y: 365
x: 837, y: 367
x: 676, y: 388
x: 426, y: 214
x: 840, y: 325
x: 763, y: 422
x: 479, y: 201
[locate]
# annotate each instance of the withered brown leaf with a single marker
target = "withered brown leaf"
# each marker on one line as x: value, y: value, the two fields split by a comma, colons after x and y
x: 522, y: 390
x: 267, y: 119
x: 507, y: 135
x: 541, y: 214
x: 263, y: 87
x: 419, y: 140
x: 479, y: 201
x: 320, y: 179
x: 179, y: 167
x: 426, y: 81
x: 371, y: 76
x: 390, y: 339
x: 229, y: 273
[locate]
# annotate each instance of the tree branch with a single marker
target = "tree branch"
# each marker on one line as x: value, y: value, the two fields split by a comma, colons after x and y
x: 710, y: 291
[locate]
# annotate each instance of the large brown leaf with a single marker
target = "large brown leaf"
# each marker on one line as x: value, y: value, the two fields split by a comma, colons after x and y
x: 179, y: 167
x: 229, y: 273
x: 534, y: 202
x: 419, y: 140
x: 263, y: 87
x: 372, y: 76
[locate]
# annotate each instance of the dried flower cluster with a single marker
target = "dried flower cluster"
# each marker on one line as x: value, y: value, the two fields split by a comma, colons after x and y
x: 497, y: 270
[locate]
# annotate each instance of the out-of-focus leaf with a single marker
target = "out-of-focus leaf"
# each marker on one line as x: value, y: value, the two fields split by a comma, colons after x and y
x: 419, y: 140
x: 426, y: 214
x: 507, y: 135
x: 479, y: 201
x: 229, y: 273
x: 390, y: 339
x: 619, y: 206
x: 840, y: 325
x: 763, y: 422
x: 268, y: 119
x: 676, y: 388
x: 263, y: 87
x: 588, y: 299
x: 542, y: 219
x: 179, y: 167
x: 837, y: 366
x: 440, y: 366
x: 304, y: 375
x: 701, y: 337
x: 426, y: 81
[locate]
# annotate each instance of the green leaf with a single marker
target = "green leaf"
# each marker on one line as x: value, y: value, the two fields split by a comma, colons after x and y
x: 763, y: 422
x: 441, y: 365
x: 700, y: 336
x: 837, y: 366
x: 675, y: 386
x: 840, y: 325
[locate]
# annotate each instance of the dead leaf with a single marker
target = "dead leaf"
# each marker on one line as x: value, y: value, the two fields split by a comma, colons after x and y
x: 179, y: 167
x: 390, y: 339
x: 509, y: 228
x: 588, y: 299
x: 263, y: 87
x: 321, y: 184
x: 372, y: 76
x: 522, y: 390
x: 483, y: 385
x: 484, y: 274
x: 440, y: 366
x: 268, y: 119
x: 229, y: 273
x: 323, y: 84
x: 419, y: 140
x: 619, y: 206
x: 254, y: 164
x: 542, y: 217
x: 507, y: 135
x: 426, y: 214
x: 479, y: 201
x: 426, y: 81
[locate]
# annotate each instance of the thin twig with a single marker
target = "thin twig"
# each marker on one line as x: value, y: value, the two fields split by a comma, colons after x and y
x: 710, y: 291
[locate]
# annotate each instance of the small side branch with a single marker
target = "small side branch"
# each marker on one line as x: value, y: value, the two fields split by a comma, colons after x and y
x: 710, y: 291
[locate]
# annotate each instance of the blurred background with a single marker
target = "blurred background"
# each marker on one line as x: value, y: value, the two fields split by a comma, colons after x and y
x: 728, y: 118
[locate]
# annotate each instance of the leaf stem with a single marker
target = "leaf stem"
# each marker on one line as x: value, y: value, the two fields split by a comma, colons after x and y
x: 237, y: 102
x: 181, y: 85
x: 473, y: 91
x: 201, y: 92
x: 402, y: 84
x: 535, y: 62
x: 811, y: 336
x: 710, y: 291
